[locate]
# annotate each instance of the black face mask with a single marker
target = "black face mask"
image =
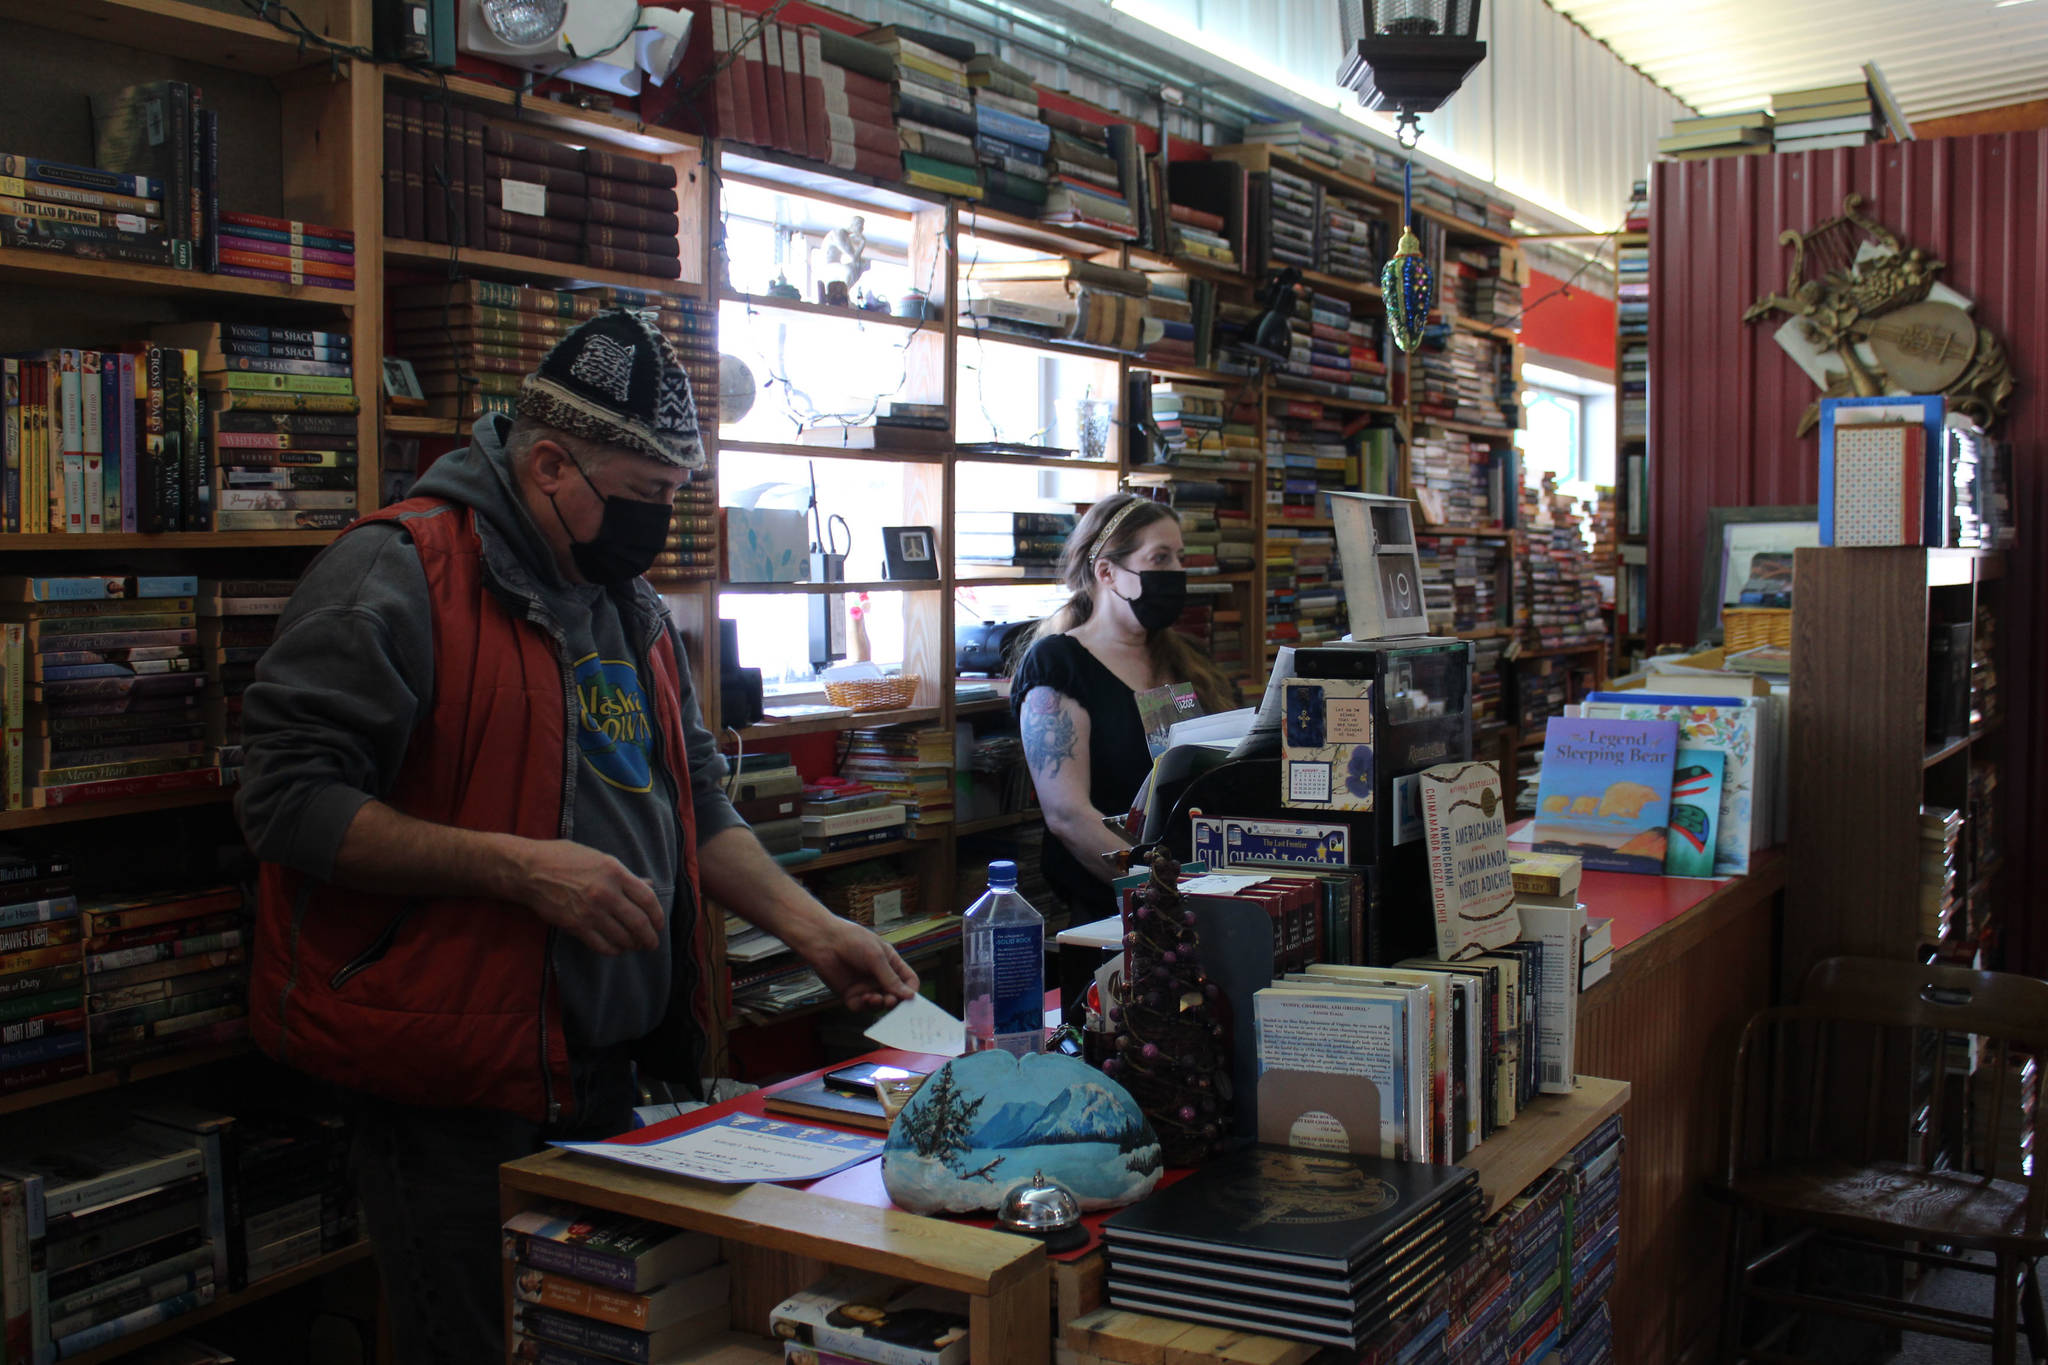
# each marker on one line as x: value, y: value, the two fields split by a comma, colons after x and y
x: 628, y: 538
x: 1162, y: 596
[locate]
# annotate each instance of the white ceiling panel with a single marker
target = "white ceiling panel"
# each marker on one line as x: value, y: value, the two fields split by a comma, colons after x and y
x: 1940, y: 57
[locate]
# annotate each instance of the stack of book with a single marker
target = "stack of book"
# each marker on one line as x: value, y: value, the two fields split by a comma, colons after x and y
x: 1029, y: 542
x: 996, y: 780
x: 109, y: 1232
x: 1060, y: 299
x: 593, y: 1286
x: 1202, y: 1251
x: 42, y: 1022
x: 1477, y: 1300
x: 164, y: 973
x: 259, y: 466
x: 1533, y: 1224
x: 1286, y: 211
x: 1353, y: 244
x: 934, y: 108
x: 1700, y: 139
x: 690, y: 554
x: 1487, y: 683
x: 777, y: 980
x: 1830, y: 116
x: 853, y: 1317
x: 1470, y: 570
x: 1303, y: 591
x: 1213, y: 627
x: 1335, y: 352
x: 1941, y: 841
x: 1201, y: 234
x: 107, y: 702
x: 1306, y: 456
x: 1555, y: 584
x: 767, y: 792
x: 290, y: 1196
x: 237, y: 621
x: 1591, y: 1232
x: 1189, y: 417
x: 83, y: 211
x: 914, y: 764
x: 1010, y: 139
x: 285, y: 251
x: 1185, y: 309
x: 1604, y: 530
x: 1303, y: 141
x: 1085, y: 185
x: 848, y: 816
x: 1221, y: 537
x: 853, y: 124
x: 1461, y: 480
x: 1477, y: 364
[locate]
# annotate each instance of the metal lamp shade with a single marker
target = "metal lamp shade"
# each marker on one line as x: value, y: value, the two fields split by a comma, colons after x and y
x: 1409, y: 55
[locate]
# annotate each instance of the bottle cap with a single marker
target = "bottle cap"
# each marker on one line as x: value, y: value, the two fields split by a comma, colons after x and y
x: 1002, y: 873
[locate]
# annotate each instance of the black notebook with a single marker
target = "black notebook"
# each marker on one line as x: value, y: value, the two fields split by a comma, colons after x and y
x: 1325, y: 1210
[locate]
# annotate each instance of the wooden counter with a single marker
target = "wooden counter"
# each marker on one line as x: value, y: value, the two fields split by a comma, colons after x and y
x: 1693, y: 961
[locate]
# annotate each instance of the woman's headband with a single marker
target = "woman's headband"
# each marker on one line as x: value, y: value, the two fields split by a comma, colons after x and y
x: 1102, y: 540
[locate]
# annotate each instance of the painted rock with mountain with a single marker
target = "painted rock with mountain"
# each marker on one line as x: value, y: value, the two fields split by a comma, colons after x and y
x: 989, y: 1121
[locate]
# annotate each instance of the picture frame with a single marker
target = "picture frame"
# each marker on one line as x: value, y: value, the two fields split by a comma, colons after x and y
x: 402, y: 392
x: 910, y: 553
x: 1735, y: 535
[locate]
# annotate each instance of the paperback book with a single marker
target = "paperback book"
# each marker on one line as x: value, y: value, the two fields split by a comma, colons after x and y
x: 1605, y: 792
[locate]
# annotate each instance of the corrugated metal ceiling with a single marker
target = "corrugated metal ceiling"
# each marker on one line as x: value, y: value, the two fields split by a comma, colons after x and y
x: 1939, y: 56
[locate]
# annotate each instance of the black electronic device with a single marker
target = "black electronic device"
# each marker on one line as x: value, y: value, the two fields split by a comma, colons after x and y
x: 828, y: 565
x: 863, y: 1077
x: 740, y: 699
x: 990, y: 647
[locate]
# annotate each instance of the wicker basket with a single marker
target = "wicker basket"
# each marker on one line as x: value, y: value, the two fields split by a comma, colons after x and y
x: 1748, y: 627
x: 897, y: 893
x: 874, y: 694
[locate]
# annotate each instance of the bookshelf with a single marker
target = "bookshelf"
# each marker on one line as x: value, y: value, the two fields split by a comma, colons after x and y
x: 1632, y: 447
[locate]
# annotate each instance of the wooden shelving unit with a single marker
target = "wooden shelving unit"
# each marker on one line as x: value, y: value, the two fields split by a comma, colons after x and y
x: 228, y: 1303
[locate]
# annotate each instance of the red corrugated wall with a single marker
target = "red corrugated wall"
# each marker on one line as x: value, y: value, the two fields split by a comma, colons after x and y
x: 1724, y: 399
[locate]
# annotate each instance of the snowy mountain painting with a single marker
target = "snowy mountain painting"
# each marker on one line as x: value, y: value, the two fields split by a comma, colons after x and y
x: 989, y: 1121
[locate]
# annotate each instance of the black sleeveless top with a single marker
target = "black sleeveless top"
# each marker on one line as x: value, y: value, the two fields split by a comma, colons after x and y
x: 1117, y: 757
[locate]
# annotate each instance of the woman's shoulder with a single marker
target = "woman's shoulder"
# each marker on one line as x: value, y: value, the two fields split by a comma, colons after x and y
x: 1052, y: 661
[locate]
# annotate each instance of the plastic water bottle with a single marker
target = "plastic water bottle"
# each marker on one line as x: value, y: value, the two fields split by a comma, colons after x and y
x: 1003, y: 943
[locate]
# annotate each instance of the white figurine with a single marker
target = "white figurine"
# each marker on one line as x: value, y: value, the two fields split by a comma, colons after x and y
x: 845, y: 248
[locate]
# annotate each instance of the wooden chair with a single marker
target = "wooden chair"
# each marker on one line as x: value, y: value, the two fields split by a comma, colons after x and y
x: 1805, y: 1171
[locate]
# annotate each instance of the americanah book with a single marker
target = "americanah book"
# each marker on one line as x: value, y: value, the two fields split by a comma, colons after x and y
x: 1605, y: 793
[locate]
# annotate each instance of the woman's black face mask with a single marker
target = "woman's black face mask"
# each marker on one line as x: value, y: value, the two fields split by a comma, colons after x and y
x: 1162, y: 596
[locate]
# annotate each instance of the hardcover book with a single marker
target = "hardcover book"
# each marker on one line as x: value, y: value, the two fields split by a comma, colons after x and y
x: 1331, y: 1212
x: 1334, y: 1069
x: 1739, y: 731
x: 1471, y: 883
x: 1605, y: 793
x: 875, y: 1318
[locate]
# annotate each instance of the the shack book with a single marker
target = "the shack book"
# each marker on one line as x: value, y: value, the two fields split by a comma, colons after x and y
x: 1337, y: 1212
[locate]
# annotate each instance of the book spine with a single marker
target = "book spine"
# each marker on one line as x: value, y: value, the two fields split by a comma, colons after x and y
x: 130, y: 786
x: 160, y: 1312
x: 170, y: 467
x: 196, y: 484
x: 209, y: 189
x: 125, y: 414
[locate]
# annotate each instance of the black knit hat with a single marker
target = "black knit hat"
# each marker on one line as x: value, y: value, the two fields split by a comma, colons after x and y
x: 616, y: 380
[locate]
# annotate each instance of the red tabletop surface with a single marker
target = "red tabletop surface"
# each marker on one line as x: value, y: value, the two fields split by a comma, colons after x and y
x: 861, y: 1184
x: 1637, y: 904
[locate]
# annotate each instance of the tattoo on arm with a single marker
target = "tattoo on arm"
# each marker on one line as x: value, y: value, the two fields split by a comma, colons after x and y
x: 1048, y: 732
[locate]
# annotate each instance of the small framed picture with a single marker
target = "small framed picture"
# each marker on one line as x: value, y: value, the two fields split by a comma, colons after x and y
x: 911, y: 551
x: 402, y: 390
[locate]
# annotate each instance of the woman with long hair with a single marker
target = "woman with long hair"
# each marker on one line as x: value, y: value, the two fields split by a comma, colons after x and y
x: 1075, y: 690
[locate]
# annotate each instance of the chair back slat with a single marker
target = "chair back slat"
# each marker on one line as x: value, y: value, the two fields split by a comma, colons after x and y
x: 1988, y: 1141
x: 1937, y: 1102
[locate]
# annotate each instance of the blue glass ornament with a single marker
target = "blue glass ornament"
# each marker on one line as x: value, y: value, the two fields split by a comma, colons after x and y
x: 1406, y: 285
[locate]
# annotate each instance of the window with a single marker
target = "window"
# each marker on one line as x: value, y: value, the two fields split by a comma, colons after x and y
x: 1552, y: 438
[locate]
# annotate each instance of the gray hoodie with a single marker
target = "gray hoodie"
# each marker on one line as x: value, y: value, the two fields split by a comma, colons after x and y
x: 329, y: 718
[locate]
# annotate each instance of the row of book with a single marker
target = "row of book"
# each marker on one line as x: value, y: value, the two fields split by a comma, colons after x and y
x: 1213, y: 622
x: 1058, y: 299
x: 1557, y: 598
x: 133, y: 692
x: 1813, y: 120
x: 1335, y: 351
x: 912, y: 763
x: 196, y: 428
x: 1464, y: 581
x: 1304, y: 586
x: 473, y: 342
x: 1461, y: 480
x: 105, y: 1232
x: 455, y: 177
x: 1463, y: 376
x: 1029, y: 542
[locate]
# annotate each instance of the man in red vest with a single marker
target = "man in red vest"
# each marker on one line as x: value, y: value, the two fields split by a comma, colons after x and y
x: 489, y: 811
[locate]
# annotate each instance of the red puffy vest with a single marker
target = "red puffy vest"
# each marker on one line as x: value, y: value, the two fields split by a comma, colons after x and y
x: 443, y: 1001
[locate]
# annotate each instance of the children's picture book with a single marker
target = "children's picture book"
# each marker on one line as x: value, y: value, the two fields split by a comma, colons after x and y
x: 1605, y: 793
x: 1327, y: 735
x: 1470, y: 882
x: 1695, y: 811
x: 1735, y: 727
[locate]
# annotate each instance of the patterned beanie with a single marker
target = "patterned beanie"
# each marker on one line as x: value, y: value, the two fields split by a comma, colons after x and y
x: 616, y: 380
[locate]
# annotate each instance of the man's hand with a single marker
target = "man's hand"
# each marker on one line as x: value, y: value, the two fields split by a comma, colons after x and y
x: 589, y: 894
x: 864, y: 971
